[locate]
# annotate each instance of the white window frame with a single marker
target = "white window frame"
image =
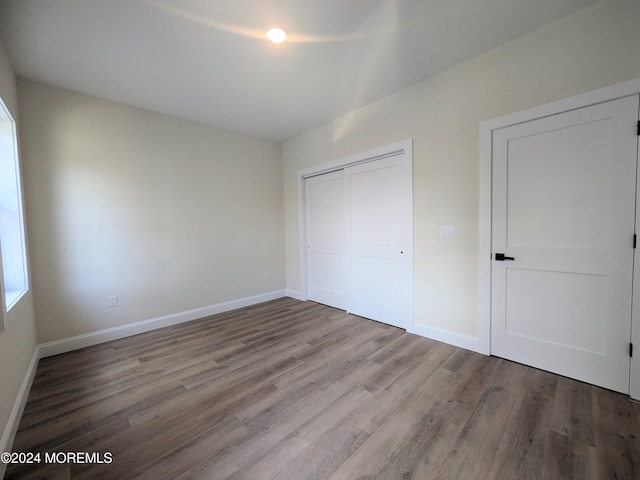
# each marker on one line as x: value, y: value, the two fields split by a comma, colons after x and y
x: 8, y: 310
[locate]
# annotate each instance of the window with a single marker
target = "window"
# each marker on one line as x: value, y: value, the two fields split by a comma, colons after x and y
x: 13, y: 258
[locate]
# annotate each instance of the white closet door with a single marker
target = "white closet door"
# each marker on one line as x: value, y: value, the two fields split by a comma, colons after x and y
x: 380, y: 240
x: 563, y: 217
x: 326, y: 239
x: 360, y: 239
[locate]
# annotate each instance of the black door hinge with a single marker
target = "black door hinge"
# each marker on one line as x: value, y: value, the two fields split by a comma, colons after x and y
x: 631, y: 349
x: 635, y: 239
x: 639, y: 128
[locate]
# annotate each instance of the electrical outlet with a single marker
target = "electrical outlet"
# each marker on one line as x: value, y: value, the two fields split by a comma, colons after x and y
x: 435, y: 299
x: 112, y: 301
x: 266, y: 274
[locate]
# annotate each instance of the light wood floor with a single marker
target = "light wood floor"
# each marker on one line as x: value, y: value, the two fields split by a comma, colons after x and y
x: 291, y: 390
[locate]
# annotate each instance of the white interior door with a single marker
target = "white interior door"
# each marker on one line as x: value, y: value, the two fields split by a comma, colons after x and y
x: 326, y: 239
x: 360, y: 239
x: 380, y: 240
x: 563, y: 207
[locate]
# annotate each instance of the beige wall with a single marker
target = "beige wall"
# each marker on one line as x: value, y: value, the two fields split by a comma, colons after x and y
x: 593, y: 48
x: 18, y: 340
x: 167, y: 214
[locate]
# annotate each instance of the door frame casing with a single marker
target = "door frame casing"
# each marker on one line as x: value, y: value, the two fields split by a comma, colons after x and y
x: 402, y: 147
x: 620, y: 90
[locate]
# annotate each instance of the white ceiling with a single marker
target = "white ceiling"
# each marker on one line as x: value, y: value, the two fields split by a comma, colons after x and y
x: 208, y: 60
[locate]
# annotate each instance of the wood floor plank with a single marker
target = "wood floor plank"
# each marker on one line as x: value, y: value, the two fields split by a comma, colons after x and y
x: 274, y: 425
x: 387, y: 439
x: 394, y: 361
x: 290, y: 389
x: 327, y: 454
x: 568, y: 458
x: 176, y: 462
x: 617, y: 428
x: 522, y: 453
x: 304, y: 437
x: 475, y: 448
x: 573, y: 412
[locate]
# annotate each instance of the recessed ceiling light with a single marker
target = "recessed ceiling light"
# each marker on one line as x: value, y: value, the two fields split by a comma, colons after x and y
x: 277, y: 35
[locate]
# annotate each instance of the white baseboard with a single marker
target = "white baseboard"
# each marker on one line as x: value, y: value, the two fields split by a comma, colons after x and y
x: 448, y: 336
x: 297, y: 295
x: 13, y: 422
x: 86, y: 340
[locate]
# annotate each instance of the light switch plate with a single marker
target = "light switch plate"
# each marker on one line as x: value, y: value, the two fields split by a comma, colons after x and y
x: 446, y: 231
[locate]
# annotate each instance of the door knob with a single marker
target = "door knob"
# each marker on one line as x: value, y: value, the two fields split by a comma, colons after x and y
x: 501, y: 257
